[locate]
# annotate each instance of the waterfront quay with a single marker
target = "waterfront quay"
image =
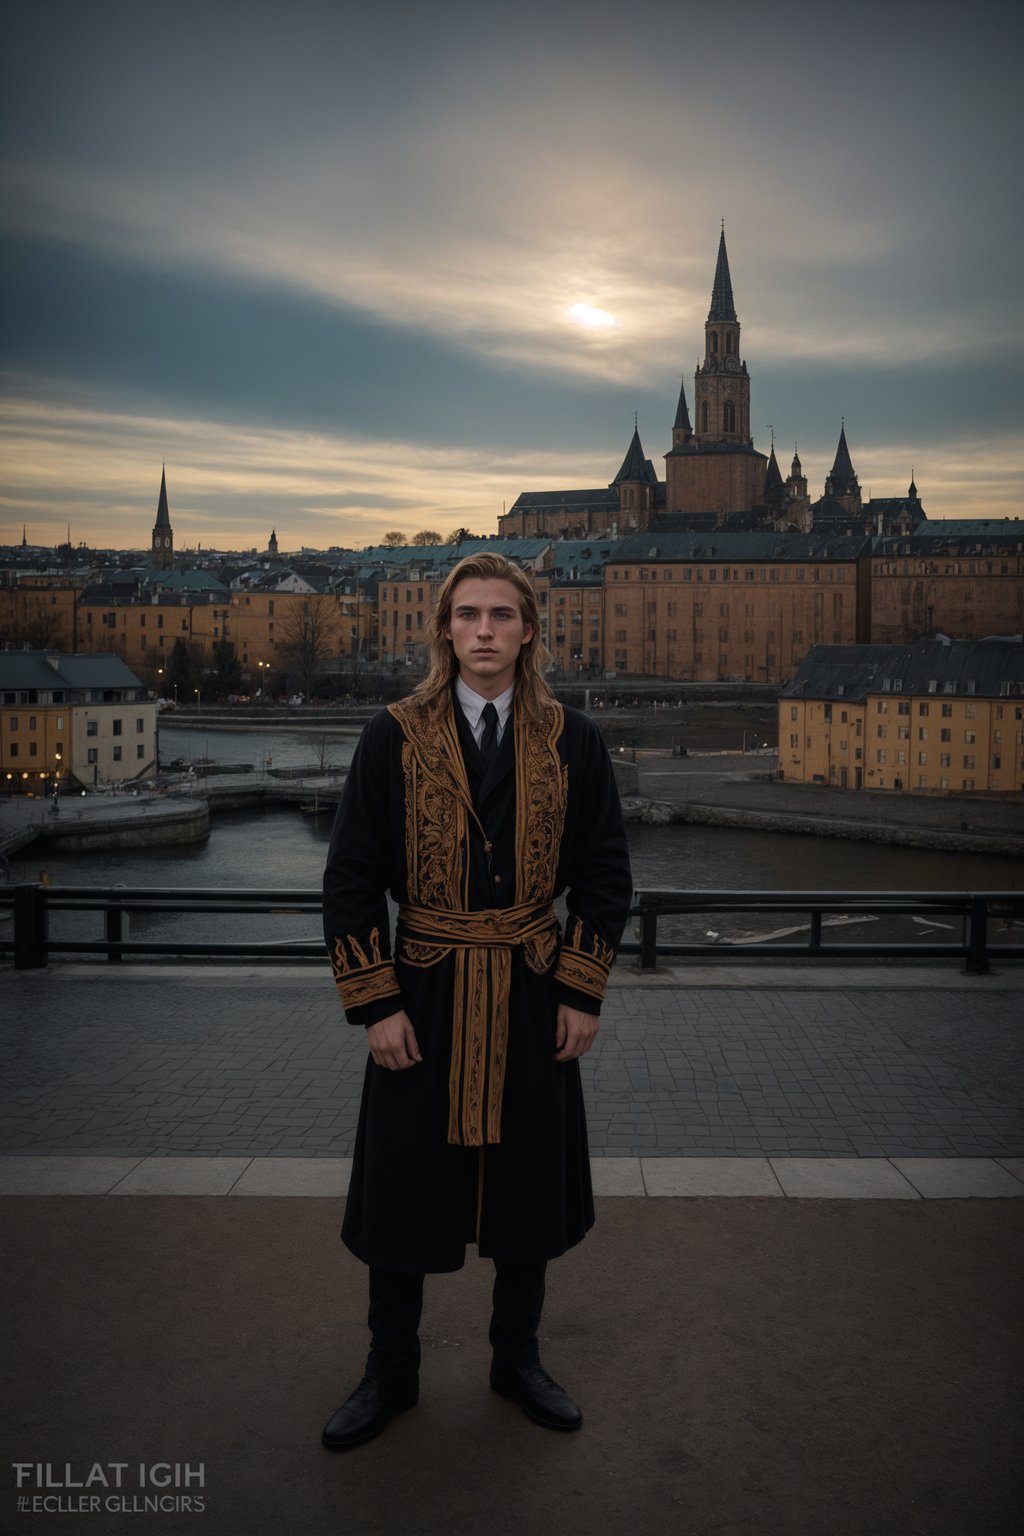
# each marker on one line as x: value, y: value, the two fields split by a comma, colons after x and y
x: 797, y: 1312
x: 730, y: 789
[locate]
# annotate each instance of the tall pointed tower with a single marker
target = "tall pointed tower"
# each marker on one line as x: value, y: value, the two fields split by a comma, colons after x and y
x: 722, y: 384
x: 713, y: 467
x: 163, y: 534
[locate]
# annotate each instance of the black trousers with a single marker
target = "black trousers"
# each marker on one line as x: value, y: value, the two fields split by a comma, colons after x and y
x: 396, y: 1302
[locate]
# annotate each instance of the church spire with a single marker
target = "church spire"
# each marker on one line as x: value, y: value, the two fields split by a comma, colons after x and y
x: 722, y: 306
x: 163, y: 516
x: 773, y: 485
x: 635, y: 466
x: 682, y: 431
x: 842, y: 481
x: 163, y: 535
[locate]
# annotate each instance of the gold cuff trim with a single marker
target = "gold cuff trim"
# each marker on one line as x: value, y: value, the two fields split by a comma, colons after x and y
x: 362, y: 978
x: 585, y: 969
x: 368, y: 986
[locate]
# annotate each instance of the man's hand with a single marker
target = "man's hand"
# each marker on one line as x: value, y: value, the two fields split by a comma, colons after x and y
x: 392, y: 1042
x: 574, y: 1032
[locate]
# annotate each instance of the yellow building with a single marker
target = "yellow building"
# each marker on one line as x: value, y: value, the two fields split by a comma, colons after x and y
x: 404, y: 607
x: 83, y: 720
x: 935, y: 717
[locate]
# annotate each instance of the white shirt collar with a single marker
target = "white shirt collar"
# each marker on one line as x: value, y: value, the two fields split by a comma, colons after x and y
x: 473, y: 705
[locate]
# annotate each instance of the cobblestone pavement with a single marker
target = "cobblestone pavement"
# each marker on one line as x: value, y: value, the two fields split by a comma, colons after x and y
x: 879, y: 1063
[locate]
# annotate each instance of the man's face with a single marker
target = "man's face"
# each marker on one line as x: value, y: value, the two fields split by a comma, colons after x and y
x: 486, y: 630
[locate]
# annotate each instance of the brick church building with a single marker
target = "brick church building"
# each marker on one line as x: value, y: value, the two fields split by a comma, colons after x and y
x: 714, y: 476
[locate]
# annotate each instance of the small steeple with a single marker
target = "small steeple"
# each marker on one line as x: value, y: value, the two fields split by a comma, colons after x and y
x: 722, y: 306
x: 24, y: 536
x: 912, y: 492
x: 796, y: 469
x: 682, y: 421
x: 635, y: 464
x: 842, y: 481
x: 773, y: 486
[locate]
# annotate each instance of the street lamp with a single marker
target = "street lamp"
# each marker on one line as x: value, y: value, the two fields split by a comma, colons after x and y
x: 199, y: 701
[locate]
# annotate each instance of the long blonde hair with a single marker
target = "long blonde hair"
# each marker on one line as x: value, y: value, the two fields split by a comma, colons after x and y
x: 532, y: 690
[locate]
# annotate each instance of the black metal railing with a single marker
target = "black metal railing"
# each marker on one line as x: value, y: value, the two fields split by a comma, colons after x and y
x: 974, y: 913
x: 26, y: 909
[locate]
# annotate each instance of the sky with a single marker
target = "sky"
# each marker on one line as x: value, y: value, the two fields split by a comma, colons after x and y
x: 347, y: 269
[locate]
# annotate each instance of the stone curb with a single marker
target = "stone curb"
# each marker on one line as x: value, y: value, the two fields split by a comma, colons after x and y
x: 815, y: 1178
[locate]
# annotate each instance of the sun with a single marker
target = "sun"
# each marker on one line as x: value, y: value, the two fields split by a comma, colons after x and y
x: 592, y: 319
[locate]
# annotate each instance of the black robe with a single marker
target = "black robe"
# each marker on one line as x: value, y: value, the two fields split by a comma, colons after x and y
x: 423, y: 817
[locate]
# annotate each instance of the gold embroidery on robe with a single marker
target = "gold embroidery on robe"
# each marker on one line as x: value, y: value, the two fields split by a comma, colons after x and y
x: 438, y: 810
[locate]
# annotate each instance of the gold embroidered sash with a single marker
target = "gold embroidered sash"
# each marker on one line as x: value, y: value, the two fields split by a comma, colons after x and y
x: 483, y: 943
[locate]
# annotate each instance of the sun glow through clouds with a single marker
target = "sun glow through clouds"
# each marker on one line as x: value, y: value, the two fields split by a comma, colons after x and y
x: 592, y: 319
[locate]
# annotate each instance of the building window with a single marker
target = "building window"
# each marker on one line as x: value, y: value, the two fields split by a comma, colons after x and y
x: 968, y: 760
x: 140, y: 725
x: 117, y: 754
x: 704, y: 416
x: 729, y: 416
x: 944, y: 760
x: 117, y: 727
x: 922, y: 709
x: 140, y: 751
x: 92, y: 755
x: 922, y: 733
x: 947, y: 710
x: 881, y: 731
x: 880, y: 756
x: 945, y: 734
x: 92, y: 728
x: 13, y: 749
x: 922, y: 759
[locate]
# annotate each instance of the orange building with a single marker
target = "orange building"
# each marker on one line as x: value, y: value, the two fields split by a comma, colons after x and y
x: 963, y: 578
x: 39, y: 616
x: 731, y: 606
x: 935, y: 717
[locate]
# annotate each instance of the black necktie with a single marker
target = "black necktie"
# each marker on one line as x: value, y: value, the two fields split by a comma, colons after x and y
x: 489, y: 739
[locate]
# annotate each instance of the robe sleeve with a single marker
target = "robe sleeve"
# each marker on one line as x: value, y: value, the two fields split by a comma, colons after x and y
x: 599, y: 883
x: 357, y: 928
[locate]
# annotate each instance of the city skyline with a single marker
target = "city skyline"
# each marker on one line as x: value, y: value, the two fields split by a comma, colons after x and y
x: 348, y: 273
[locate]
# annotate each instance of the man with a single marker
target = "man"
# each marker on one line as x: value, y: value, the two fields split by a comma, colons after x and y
x: 475, y: 802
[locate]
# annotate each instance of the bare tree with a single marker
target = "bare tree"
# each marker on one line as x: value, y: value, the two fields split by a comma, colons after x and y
x: 40, y: 630
x: 395, y: 539
x: 428, y: 536
x: 310, y: 637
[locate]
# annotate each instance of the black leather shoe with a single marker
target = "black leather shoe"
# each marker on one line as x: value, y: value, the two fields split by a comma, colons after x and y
x: 540, y: 1398
x: 367, y: 1411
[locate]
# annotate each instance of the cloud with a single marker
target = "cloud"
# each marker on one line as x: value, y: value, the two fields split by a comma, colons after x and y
x: 229, y: 484
x: 225, y: 481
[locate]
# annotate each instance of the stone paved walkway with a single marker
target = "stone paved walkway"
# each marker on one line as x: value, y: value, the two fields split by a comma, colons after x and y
x: 891, y: 1063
